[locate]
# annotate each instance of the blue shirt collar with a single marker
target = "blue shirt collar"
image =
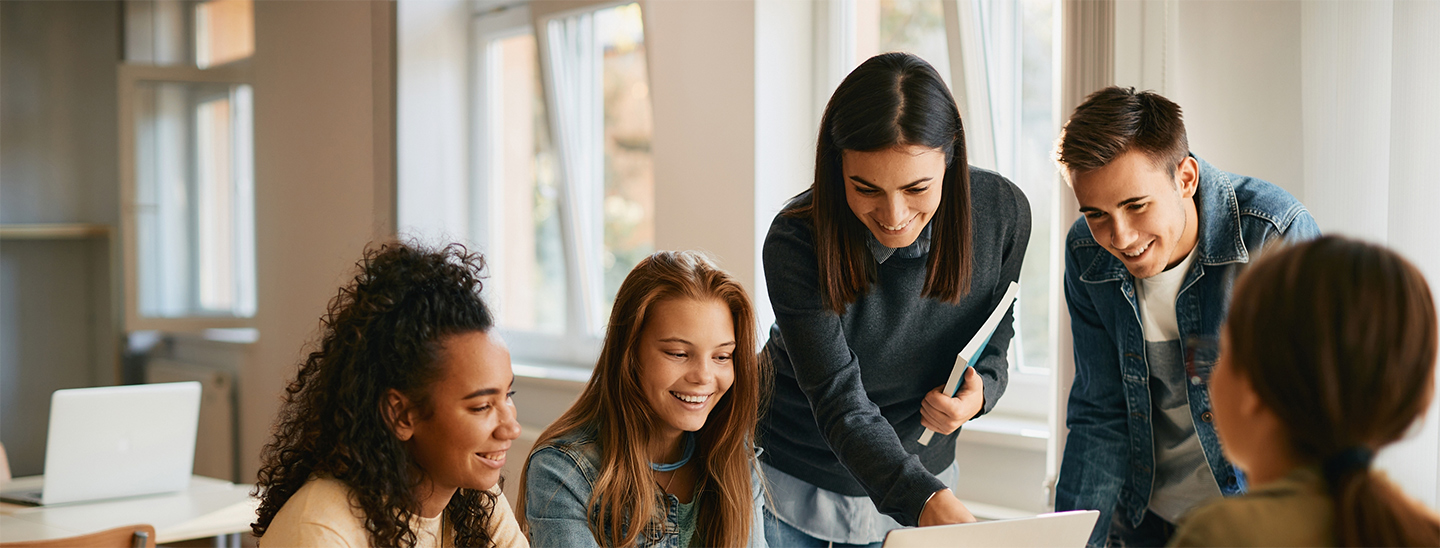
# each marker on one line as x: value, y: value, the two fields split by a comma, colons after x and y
x: 918, y: 248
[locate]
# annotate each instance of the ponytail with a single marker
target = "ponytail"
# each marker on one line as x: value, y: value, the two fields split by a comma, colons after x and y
x: 1346, y: 332
x: 1371, y: 511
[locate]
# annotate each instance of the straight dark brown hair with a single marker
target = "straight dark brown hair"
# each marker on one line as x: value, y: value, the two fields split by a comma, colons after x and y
x: 1116, y: 120
x: 1338, y: 339
x: 892, y: 100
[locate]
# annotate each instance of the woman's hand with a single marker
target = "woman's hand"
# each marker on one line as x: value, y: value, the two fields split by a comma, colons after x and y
x: 944, y: 509
x: 943, y: 414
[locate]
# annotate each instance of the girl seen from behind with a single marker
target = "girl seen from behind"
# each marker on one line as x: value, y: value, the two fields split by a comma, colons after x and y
x: 658, y: 450
x: 394, y: 431
x: 1328, y: 355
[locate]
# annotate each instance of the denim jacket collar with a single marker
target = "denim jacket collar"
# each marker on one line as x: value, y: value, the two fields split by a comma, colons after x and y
x: 1219, y: 240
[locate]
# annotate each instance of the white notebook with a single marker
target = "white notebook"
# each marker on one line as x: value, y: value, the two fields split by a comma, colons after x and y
x: 974, y: 347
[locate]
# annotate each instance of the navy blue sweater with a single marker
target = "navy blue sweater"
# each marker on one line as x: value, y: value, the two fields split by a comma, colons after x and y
x: 845, y: 413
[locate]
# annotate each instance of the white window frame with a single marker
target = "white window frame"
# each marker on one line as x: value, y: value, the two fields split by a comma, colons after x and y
x: 130, y: 76
x: 579, y: 205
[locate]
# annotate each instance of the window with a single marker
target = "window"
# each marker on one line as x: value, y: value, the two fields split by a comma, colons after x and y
x: 193, y: 200
x: 1022, y: 39
x: 564, y: 182
x: 912, y: 26
x: 187, y: 164
x: 530, y: 256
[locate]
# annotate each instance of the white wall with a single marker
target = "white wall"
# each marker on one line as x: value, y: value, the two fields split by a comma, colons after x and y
x: 702, y: 85
x: 787, y: 120
x: 324, y: 178
x: 1238, y: 81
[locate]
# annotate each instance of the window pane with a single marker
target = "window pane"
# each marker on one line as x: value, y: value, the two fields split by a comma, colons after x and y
x: 158, y: 32
x: 194, y: 207
x: 911, y: 26
x: 530, y: 268
x: 629, y: 194
x: 1021, y: 49
x: 224, y: 31
x: 202, y: 33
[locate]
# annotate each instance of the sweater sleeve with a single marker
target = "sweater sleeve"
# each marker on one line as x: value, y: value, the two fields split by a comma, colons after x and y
x: 1015, y: 239
x: 504, y: 530
x: 829, y: 375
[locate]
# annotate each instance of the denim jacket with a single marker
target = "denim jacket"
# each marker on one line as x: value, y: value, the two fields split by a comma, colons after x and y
x: 1109, y: 455
x: 559, y: 481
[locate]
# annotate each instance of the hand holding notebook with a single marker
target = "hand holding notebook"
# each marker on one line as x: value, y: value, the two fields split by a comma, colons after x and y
x: 972, y: 350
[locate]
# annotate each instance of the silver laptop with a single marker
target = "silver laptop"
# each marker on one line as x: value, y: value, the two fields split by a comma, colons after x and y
x: 1061, y: 529
x: 117, y: 441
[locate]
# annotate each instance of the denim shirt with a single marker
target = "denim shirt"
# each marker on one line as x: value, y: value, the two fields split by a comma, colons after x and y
x: 1109, y: 455
x: 560, y: 479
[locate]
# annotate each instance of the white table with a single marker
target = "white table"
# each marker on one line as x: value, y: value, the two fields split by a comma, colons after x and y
x: 209, y: 508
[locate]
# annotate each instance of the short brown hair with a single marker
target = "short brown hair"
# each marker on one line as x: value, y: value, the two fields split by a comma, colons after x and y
x: 1115, y: 120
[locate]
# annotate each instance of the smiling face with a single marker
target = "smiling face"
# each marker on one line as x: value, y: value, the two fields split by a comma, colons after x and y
x: 462, y: 440
x: 1139, y: 212
x: 894, y: 191
x: 685, y: 362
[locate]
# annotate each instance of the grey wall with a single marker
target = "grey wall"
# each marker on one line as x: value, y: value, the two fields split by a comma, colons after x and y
x: 58, y: 141
x: 58, y: 164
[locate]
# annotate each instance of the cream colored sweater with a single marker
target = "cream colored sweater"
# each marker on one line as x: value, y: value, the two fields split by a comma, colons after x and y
x: 320, y: 514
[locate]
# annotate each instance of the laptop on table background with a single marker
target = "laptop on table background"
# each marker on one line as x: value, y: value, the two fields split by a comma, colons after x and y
x: 1061, y: 529
x: 117, y: 441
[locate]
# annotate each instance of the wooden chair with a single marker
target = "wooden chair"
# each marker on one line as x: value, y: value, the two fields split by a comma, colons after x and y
x: 129, y: 536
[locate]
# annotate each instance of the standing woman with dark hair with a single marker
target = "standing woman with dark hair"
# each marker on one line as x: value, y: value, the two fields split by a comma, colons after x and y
x: 879, y: 275
x: 1328, y: 356
x: 394, y: 431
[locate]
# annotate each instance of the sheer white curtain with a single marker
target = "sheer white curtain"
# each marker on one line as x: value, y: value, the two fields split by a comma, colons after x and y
x: 572, y: 60
x: 965, y: 34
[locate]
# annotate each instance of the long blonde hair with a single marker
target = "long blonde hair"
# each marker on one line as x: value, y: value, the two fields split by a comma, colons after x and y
x: 612, y: 405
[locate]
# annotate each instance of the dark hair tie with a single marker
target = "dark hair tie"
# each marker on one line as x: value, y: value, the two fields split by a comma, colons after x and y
x: 1345, y: 462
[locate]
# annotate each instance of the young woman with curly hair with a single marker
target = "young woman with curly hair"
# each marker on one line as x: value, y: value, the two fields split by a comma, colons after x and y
x: 1328, y: 355
x: 659, y: 449
x: 394, y: 431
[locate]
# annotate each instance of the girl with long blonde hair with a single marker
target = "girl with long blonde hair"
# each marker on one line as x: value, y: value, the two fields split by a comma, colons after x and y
x: 659, y: 449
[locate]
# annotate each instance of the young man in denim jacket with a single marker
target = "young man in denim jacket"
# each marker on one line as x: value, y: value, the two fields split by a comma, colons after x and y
x: 1148, y: 272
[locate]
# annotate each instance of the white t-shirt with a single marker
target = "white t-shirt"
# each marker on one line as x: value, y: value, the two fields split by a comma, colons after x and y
x: 1157, y: 301
x: 1183, y: 478
x: 320, y: 514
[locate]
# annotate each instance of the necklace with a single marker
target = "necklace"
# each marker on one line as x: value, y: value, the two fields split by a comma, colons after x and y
x: 666, y: 487
x: 689, y: 451
x: 674, y: 467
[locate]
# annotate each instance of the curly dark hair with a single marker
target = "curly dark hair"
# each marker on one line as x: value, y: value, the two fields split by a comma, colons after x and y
x: 383, y: 330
